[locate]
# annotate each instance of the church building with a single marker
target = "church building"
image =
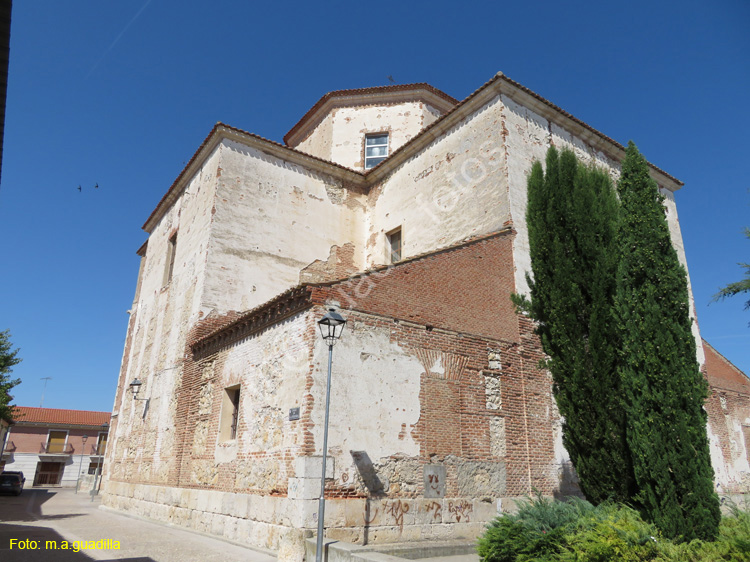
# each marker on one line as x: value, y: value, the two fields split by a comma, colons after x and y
x: 403, y: 209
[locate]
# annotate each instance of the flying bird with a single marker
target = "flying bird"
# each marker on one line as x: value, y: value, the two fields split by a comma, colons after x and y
x: 96, y: 185
x: 391, y: 79
x: 79, y: 188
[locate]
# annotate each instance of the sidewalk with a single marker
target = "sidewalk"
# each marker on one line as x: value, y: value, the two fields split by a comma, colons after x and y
x: 52, y: 516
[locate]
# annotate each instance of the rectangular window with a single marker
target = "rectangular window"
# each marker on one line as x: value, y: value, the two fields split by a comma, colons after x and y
x: 171, y: 251
x: 394, y: 245
x: 95, y: 466
x: 376, y: 149
x: 746, y: 435
x: 230, y: 414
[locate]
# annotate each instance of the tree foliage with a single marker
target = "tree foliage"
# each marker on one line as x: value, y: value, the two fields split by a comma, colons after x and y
x: 742, y: 286
x: 663, y: 388
x: 8, y: 358
x: 610, y: 299
x: 572, y: 217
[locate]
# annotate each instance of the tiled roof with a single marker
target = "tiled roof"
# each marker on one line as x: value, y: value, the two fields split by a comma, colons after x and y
x: 722, y: 373
x: 25, y: 414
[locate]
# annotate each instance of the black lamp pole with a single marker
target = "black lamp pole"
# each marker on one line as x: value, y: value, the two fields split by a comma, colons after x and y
x: 331, y: 327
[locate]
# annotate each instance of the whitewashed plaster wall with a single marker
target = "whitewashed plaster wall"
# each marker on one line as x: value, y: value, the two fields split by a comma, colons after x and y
x: 374, y: 399
x: 453, y: 189
x: 162, y: 316
x: 340, y: 135
x: 272, y: 219
x: 401, y: 121
x: 318, y: 142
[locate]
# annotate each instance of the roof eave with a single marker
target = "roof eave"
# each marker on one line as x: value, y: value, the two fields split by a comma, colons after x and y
x: 498, y: 85
x: 222, y: 131
x: 328, y: 102
x: 502, y: 85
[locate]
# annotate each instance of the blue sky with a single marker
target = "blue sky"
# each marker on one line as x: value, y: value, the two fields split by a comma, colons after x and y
x: 122, y: 93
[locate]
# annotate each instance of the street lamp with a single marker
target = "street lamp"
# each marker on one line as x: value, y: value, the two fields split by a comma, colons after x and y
x: 331, y: 326
x: 135, y: 387
x: 80, y: 466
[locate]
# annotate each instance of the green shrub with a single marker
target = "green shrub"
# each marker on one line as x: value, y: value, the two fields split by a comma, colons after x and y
x: 613, y: 532
x: 544, y: 530
x: 535, y: 532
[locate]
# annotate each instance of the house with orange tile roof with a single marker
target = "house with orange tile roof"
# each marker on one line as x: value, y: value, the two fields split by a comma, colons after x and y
x: 403, y: 209
x: 55, y: 447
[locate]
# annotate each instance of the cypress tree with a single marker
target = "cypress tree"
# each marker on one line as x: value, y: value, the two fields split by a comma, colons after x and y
x: 663, y: 388
x: 571, y: 216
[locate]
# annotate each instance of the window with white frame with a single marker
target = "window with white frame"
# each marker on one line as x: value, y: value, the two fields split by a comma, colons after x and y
x: 376, y: 149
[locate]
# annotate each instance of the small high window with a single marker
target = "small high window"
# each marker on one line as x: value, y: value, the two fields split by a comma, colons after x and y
x: 394, y: 245
x: 171, y: 252
x: 376, y: 149
x: 230, y: 414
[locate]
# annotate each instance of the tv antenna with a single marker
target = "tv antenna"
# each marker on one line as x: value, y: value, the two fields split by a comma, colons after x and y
x: 45, y: 379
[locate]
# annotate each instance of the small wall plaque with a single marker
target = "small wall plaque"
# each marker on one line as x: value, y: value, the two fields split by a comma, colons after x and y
x: 293, y: 414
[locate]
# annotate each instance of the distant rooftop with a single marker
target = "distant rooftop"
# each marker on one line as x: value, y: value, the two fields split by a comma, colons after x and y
x: 26, y: 414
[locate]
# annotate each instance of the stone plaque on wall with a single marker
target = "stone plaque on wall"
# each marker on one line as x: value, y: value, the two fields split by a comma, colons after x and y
x: 434, y: 481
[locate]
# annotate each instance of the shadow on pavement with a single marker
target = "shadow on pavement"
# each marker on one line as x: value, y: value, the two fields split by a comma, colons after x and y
x: 28, y: 506
x: 43, y: 543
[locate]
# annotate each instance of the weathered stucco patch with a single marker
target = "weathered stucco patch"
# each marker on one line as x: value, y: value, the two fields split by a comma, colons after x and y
x: 497, y: 437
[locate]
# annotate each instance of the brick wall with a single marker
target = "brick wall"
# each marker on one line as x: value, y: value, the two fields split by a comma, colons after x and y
x: 465, y: 288
x: 728, y: 408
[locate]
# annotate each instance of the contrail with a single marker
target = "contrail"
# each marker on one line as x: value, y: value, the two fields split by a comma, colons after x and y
x: 135, y: 17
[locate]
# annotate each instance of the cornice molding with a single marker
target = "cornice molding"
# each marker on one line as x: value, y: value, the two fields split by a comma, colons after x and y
x: 280, y: 308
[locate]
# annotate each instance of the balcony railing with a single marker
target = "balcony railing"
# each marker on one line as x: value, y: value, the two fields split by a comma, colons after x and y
x: 56, y: 449
x: 98, y: 449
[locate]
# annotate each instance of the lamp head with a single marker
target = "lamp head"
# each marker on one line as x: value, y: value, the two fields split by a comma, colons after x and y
x: 331, y: 326
x: 135, y: 386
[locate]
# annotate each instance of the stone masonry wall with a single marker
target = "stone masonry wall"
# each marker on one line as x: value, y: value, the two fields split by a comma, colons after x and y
x: 432, y: 428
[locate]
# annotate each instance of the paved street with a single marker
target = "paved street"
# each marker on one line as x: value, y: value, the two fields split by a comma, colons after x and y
x: 52, y: 516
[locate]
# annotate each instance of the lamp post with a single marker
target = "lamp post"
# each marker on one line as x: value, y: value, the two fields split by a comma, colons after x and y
x: 100, y: 461
x: 331, y: 326
x: 80, y: 466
